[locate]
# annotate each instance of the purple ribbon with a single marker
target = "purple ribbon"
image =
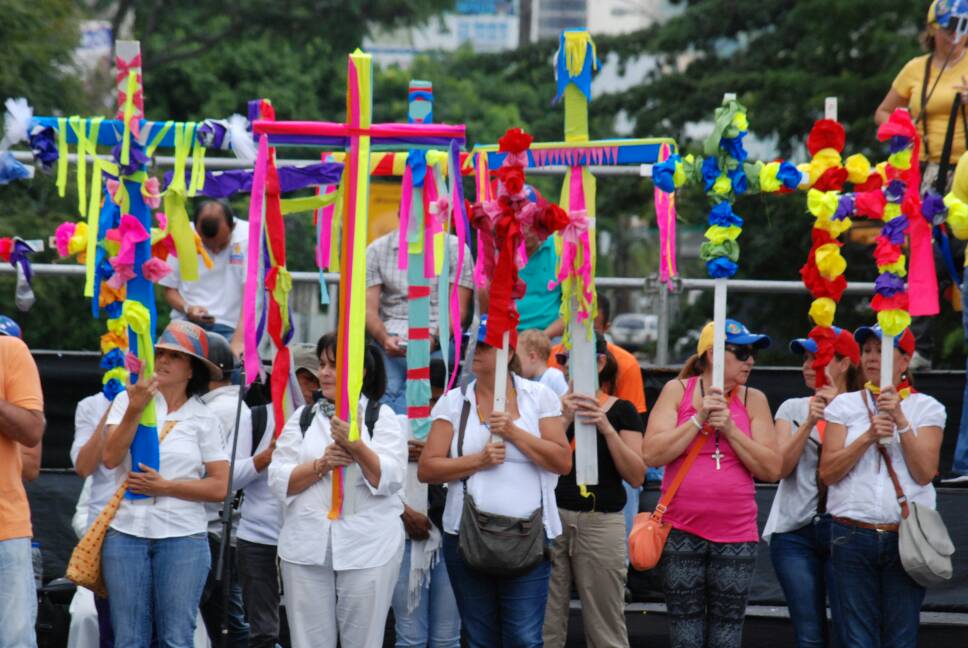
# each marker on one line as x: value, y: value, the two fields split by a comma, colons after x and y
x: 136, y: 158
x: 19, y: 256
x: 227, y: 183
x: 212, y: 134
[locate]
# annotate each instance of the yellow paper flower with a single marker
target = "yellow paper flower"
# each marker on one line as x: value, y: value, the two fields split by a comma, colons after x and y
x: 881, y: 169
x: 822, y: 204
x: 740, y: 121
x: 717, y: 233
x: 768, y: 180
x: 899, y: 267
x: 893, y: 322
x: 723, y: 185
x: 891, y: 211
x: 679, y: 176
x: 78, y: 243
x: 822, y: 311
x: 900, y: 160
x: 824, y: 159
x: 858, y: 168
x: 118, y: 372
x: 829, y: 261
x: 957, y: 216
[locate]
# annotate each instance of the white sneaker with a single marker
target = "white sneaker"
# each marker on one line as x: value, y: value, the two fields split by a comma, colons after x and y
x: 919, y: 362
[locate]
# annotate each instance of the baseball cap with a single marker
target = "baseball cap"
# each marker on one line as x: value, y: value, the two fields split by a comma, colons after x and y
x: 736, y: 333
x: 304, y: 357
x: 904, y: 342
x: 9, y: 327
x: 844, y: 345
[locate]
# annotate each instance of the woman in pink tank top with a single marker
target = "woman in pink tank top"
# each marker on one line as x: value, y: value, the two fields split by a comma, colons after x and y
x: 708, y: 561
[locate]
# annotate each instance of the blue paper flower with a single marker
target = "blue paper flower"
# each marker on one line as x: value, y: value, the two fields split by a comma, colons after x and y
x: 894, y: 230
x: 933, y: 208
x: 721, y: 268
x: 888, y: 284
x: 417, y: 161
x: 112, y: 388
x: 738, y: 177
x: 789, y: 175
x: 113, y: 309
x: 44, y: 147
x: 724, y: 216
x: 113, y: 358
x: 895, y: 190
x: 710, y: 172
x: 10, y: 169
x: 845, y: 207
x: 663, y: 174
x: 899, y: 143
x: 734, y: 147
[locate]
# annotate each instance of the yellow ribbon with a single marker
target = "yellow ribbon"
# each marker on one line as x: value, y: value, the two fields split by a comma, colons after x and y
x: 137, y: 317
x: 308, y: 203
x: 62, y: 153
x: 576, y: 49
x: 280, y: 294
x: 874, y: 389
x: 128, y: 114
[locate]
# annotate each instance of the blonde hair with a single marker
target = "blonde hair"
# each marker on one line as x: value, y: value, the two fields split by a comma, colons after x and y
x: 535, y: 341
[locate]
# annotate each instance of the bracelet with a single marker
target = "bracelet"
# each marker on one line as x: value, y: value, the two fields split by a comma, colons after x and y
x: 319, y: 473
x: 905, y: 429
x: 695, y: 421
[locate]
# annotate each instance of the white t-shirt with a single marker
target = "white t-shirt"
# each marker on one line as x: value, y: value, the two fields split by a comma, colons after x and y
x: 196, y: 439
x: 554, y: 379
x: 795, y: 504
x: 368, y: 536
x: 518, y: 486
x: 104, y: 481
x: 866, y: 493
x: 219, y: 289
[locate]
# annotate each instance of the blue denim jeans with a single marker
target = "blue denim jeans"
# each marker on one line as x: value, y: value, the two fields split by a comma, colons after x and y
x: 631, y: 506
x: 498, y: 612
x: 395, y: 396
x: 18, y: 595
x: 154, y: 582
x: 435, y: 622
x: 961, y: 449
x: 880, y: 606
x: 801, y: 560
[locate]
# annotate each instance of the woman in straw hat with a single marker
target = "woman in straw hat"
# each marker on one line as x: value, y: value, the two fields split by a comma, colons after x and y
x: 156, y: 556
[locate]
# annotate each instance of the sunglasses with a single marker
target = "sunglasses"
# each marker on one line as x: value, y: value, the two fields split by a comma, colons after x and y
x: 742, y: 353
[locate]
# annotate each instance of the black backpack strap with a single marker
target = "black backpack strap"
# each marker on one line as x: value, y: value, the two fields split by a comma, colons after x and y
x: 941, y: 183
x: 465, y: 413
x: 260, y: 419
x: 371, y: 414
x: 306, y: 418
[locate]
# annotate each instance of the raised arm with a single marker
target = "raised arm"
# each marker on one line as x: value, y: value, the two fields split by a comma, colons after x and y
x: 121, y: 435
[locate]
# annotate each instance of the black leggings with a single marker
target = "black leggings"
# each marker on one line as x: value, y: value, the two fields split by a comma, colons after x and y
x: 706, y: 585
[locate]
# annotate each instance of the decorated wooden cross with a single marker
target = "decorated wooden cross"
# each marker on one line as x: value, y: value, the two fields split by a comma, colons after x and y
x: 575, y: 64
x: 357, y: 137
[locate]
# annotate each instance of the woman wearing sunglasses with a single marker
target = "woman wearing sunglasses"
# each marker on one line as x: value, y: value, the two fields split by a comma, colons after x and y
x: 708, y: 560
x: 798, y: 529
x: 592, y: 551
x: 879, y: 603
x: 508, y: 463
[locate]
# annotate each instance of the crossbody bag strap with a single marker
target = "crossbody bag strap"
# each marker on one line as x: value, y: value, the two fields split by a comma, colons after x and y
x: 898, y: 491
x: 941, y: 182
x: 694, y: 450
x: 465, y: 413
x: 923, y: 115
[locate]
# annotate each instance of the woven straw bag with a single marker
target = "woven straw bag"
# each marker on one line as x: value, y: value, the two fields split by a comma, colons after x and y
x: 84, y: 567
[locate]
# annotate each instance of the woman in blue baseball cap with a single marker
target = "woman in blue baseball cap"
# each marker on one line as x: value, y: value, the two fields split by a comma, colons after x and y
x: 708, y: 561
x: 798, y: 529
x: 870, y: 433
x: 156, y: 555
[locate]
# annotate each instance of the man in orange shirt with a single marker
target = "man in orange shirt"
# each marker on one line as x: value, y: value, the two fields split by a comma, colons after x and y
x: 628, y: 386
x: 21, y: 424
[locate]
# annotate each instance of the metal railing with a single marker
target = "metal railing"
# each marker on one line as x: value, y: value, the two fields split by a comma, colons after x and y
x: 650, y: 285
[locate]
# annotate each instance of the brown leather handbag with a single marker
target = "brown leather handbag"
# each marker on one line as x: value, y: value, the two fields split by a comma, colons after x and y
x: 649, y: 533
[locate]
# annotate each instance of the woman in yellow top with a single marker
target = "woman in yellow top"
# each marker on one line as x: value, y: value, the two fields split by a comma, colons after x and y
x: 927, y: 86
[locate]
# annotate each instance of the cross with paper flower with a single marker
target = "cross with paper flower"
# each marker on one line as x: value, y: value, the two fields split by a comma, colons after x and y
x: 502, y: 220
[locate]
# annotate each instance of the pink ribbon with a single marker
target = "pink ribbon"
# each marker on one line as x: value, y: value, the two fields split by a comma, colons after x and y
x: 253, y: 365
x: 406, y: 201
x: 133, y: 363
x: 129, y: 233
x: 665, y: 212
x: 457, y: 198
x: 124, y: 68
x: 324, y: 226
x: 151, y: 192
x: 574, y: 237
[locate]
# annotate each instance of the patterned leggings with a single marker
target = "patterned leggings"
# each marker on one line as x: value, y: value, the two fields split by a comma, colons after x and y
x: 706, y: 585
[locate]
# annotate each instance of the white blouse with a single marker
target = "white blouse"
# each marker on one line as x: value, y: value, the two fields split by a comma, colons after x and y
x: 518, y: 486
x: 370, y: 532
x: 195, y: 440
x: 795, y: 503
x: 866, y: 493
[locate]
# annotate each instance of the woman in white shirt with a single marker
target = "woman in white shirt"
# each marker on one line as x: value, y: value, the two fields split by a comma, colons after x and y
x: 155, y: 556
x: 514, y: 476
x: 879, y: 603
x: 338, y: 575
x: 798, y: 529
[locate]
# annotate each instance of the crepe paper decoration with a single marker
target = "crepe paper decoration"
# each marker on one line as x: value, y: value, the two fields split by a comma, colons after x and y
x: 575, y: 63
x: 11, y: 170
x: 356, y: 137
x: 224, y: 184
x: 17, y: 252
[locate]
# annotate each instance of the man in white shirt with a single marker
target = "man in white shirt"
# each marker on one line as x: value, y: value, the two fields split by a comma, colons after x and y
x: 214, y: 302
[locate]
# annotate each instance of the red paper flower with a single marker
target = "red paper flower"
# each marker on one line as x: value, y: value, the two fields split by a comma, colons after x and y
x: 886, y: 252
x: 512, y: 177
x: 552, y: 219
x: 874, y: 181
x: 514, y: 140
x: 824, y: 336
x: 818, y: 285
x: 826, y: 133
x: 899, y: 301
x: 833, y: 179
x: 870, y: 204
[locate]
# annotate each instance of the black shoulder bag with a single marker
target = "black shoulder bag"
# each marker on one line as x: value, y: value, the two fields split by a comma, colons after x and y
x: 497, y: 545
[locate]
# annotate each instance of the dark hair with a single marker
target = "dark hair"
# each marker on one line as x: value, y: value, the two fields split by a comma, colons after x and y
x: 854, y: 378
x: 604, y: 307
x: 926, y: 38
x: 374, y: 372
x: 201, y: 376
x: 694, y: 366
x: 608, y: 374
x: 438, y: 374
x: 226, y: 210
